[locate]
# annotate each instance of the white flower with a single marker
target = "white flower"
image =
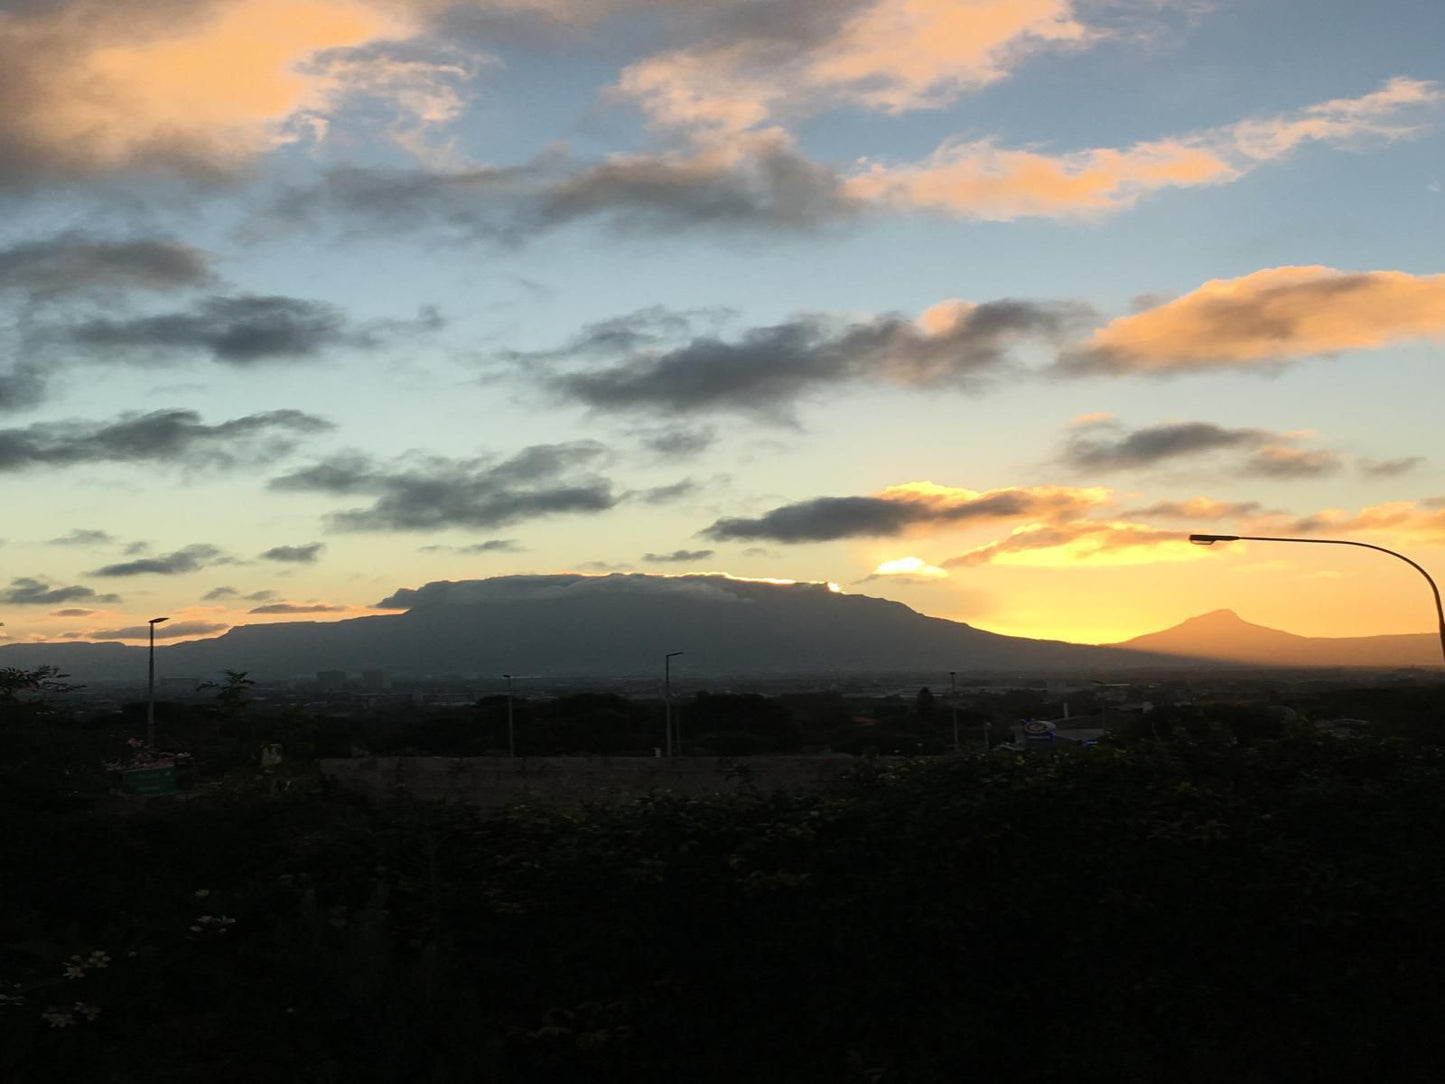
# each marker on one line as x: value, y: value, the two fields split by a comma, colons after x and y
x: 90, y: 1012
x: 74, y: 971
x: 57, y: 1019
x: 99, y: 959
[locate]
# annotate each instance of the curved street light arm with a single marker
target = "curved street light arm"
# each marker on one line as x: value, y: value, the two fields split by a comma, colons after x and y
x: 1210, y: 539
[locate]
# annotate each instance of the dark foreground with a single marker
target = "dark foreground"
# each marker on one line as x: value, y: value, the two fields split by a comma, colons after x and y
x: 1201, y: 909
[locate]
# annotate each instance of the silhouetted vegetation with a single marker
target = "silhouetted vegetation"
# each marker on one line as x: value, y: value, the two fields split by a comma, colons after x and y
x: 1228, y: 895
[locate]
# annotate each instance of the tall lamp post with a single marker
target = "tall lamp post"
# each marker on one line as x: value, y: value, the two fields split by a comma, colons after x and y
x: 511, y: 730
x: 151, y: 685
x: 1210, y: 539
x: 667, y: 698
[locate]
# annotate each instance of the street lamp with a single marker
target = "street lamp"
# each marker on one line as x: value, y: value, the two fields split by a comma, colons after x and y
x: 151, y: 685
x: 667, y: 698
x: 511, y: 731
x: 1210, y: 539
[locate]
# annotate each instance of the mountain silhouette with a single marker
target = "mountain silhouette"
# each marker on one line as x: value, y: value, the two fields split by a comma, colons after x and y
x: 1224, y: 636
x: 604, y: 626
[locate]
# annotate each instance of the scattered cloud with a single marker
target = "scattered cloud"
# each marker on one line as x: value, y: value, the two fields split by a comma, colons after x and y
x: 979, y: 179
x: 80, y: 536
x: 680, y: 443
x: 1268, y: 318
x: 1199, y: 509
x: 169, y: 631
x: 75, y: 263
x: 297, y: 608
x: 666, y: 494
x: 248, y: 329
x: 1106, y: 445
x: 435, y: 492
x: 1388, y: 468
x: 901, y: 509
x: 1420, y: 521
x: 491, y: 545
x: 27, y: 591
x: 1281, y: 461
x: 766, y: 370
x: 1070, y: 543
x: 217, y: 594
x: 299, y: 555
x: 73, y: 613
x: 906, y: 569
x: 677, y: 557
x: 187, y: 559
x: 168, y: 436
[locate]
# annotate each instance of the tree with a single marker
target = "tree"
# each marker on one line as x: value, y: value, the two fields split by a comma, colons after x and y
x: 234, y: 693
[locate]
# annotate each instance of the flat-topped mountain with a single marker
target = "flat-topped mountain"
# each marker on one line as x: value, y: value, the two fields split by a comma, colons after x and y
x: 1223, y: 635
x: 617, y: 625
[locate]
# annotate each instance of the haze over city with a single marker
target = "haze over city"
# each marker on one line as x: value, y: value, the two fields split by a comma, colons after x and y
x: 981, y: 306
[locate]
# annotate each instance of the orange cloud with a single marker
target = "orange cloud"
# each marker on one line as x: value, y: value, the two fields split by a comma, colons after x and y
x: 1097, y: 542
x: 1419, y: 521
x: 978, y: 179
x: 202, y: 86
x: 893, y: 55
x: 1270, y: 316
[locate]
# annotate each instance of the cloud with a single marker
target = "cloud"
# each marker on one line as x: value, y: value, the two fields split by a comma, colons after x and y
x: 907, y: 569
x: 677, y: 557
x: 1196, y: 508
x: 1418, y: 521
x: 491, y: 545
x: 187, y: 559
x: 80, y: 536
x: 72, y: 263
x: 980, y: 180
x: 27, y: 591
x: 303, y: 555
x: 243, y: 330
x: 1069, y: 543
x: 22, y: 386
x: 680, y: 443
x: 766, y: 370
x: 297, y: 608
x: 900, y: 509
x: 168, y: 436
x: 435, y: 492
x: 1268, y: 318
x: 1389, y: 468
x: 665, y: 494
x: 72, y: 613
x: 153, y: 85
x: 1105, y: 445
x: 168, y: 631
x: 260, y: 596
x: 888, y: 55
x: 217, y: 593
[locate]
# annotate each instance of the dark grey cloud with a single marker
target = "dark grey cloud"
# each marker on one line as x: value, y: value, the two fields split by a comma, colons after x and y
x: 300, y: 555
x: 187, y: 559
x: 759, y: 183
x: 1389, y: 468
x: 80, y: 536
x: 296, y: 608
x: 22, y: 385
x: 1280, y: 461
x: 72, y: 613
x: 434, y: 492
x: 244, y: 330
x: 261, y: 596
x: 1197, y: 509
x: 678, y: 556
x: 1106, y: 447
x: 71, y: 263
x: 168, y: 631
x: 215, y: 594
x: 27, y: 591
x: 766, y: 370
x: 491, y: 545
x: 680, y: 443
x: 167, y: 436
x: 824, y: 519
x: 665, y: 494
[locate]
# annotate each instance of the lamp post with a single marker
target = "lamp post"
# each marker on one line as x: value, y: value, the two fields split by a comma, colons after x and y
x: 953, y: 705
x: 511, y: 730
x: 667, y: 698
x: 151, y: 685
x: 1210, y: 539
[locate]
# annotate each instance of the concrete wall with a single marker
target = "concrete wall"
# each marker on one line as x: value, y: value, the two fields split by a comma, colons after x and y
x: 575, y: 780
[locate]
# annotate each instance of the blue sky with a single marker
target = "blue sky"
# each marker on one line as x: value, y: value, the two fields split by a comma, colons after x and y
x: 982, y: 305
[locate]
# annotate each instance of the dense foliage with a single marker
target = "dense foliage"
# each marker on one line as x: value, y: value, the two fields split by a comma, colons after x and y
x: 1200, y: 907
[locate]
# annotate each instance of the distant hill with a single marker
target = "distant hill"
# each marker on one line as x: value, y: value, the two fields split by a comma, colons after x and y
x: 1224, y: 636
x: 619, y: 625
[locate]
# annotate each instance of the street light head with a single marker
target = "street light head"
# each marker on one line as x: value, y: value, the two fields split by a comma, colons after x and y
x: 1210, y: 539
x: 157, y: 620
x: 672, y: 654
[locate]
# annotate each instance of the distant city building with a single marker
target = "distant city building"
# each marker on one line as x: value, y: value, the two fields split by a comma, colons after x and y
x: 331, y: 679
x: 375, y: 679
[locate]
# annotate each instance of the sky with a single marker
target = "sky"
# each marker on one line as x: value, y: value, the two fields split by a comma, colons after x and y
x: 980, y: 305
